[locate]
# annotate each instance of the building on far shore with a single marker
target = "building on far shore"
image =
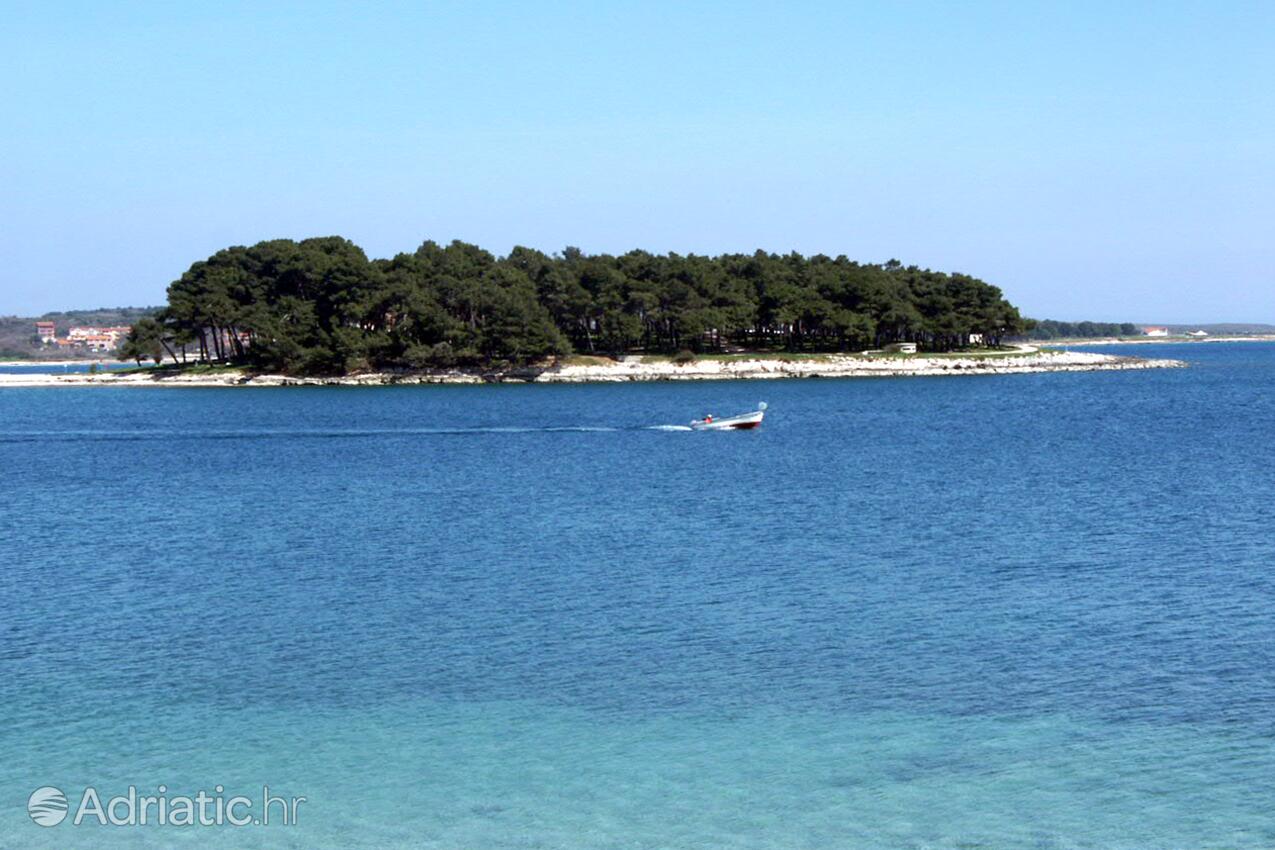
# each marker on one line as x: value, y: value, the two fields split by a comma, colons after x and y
x: 1155, y: 331
x: 1198, y: 334
x: 82, y: 338
x: 99, y: 342
x: 92, y: 334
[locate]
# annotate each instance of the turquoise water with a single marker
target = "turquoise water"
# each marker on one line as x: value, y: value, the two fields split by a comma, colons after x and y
x: 1000, y: 612
x: 36, y: 368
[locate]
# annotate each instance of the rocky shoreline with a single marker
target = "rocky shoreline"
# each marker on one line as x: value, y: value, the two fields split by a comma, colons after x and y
x: 636, y: 368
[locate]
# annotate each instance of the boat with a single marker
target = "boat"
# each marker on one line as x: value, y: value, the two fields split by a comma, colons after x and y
x: 742, y: 422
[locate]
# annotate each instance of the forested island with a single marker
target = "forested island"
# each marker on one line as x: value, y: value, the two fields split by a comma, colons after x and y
x: 321, y: 306
x: 1047, y: 329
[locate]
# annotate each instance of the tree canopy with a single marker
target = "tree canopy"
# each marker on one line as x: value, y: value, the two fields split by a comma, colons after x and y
x: 321, y: 306
x: 1045, y: 329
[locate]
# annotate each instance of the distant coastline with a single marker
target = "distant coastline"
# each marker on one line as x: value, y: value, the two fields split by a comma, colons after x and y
x: 1171, y: 340
x: 580, y: 370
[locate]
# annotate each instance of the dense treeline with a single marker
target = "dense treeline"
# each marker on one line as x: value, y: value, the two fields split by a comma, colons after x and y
x: 321, y: 305
x: 1050, y: 329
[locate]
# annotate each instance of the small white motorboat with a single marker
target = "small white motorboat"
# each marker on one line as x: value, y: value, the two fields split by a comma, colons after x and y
x: 742, y: 422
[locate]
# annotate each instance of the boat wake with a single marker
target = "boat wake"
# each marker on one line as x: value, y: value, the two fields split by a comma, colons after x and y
x: 285, y: 434
x: 89, y: 435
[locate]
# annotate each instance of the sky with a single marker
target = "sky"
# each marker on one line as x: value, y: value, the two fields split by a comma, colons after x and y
x: 1104, y: 161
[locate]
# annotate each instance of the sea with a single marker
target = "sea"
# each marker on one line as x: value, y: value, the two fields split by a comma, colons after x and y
x: 1020, y: 611
x: 61, y: 367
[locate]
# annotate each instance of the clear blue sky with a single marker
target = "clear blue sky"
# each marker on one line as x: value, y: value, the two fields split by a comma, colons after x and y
x: 1096, y: 160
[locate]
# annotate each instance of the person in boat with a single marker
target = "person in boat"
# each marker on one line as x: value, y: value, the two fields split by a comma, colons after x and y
x: 708, y: 420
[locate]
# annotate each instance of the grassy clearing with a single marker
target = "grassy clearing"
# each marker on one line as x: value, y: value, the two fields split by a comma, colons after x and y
x: 972, y: 354
x: 782, y: 356
x: 986, y: 352
x: 169, y: 370
x: 585, y: 360
x: 132, y: 370
x: 800, y: 356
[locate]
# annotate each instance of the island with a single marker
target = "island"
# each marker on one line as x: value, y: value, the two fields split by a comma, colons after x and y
x: 319, y: 311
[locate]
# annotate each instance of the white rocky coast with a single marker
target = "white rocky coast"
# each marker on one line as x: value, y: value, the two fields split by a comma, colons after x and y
x: 636, y: 368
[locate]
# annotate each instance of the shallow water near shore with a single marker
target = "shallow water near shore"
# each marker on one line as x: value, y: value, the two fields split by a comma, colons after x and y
x: 60, y: 367
x: 999, y: 612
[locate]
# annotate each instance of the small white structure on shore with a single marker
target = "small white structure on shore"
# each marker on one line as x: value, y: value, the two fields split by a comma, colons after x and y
x: 901, y: 348
x: 1198, y: 334
x: 1155, y: 331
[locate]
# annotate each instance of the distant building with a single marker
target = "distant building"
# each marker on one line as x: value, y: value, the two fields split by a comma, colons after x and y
x: 976, y: 339
x: 1154, y: 331
x: 98, y: 339
x: 1198, y: 334
x: 83, y: 338
x: 100, y: 342
x: 901, y: 348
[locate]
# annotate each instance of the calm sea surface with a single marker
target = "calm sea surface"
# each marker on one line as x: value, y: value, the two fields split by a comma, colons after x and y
x: 978, y: 612
x: 61, y: 368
